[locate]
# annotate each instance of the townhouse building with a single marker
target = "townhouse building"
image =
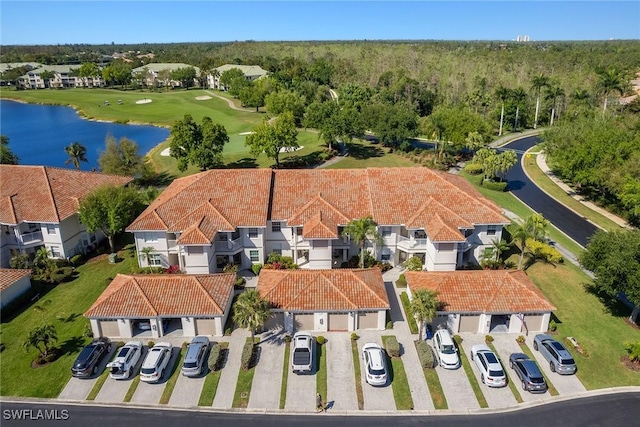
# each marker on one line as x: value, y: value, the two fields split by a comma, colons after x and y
x: 159, y: 74
x: 63, y: 76
x: 208, y: 220
x: 251, y: 73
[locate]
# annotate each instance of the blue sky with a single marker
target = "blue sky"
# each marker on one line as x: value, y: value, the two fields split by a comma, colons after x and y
x: 93, y: 22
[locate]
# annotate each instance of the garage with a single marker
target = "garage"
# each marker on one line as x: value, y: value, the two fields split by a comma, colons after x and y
x: 440, y: 322
x: 368, y: 320
x: 469, y: 323
x: 304, y: 322
x: 338, y: 322
x: 109, y: 328
x: 534, y: 321
x: 275, y: 322
x: 499, y: 323
x: 205, y: 326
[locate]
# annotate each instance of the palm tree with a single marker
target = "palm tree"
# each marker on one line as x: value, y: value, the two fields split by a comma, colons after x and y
x: 424, y: 307
x: 519, y: 96
x: 145, y: 253
x: 534, y: 227
x: 580, y: 95
x: 555, y: 93
x: 42, y: 338
x: 498, y: 247
x: 251, y: 311
x: 77, y: 153
x: 502, y: 93
x: 611, y: 80
x: 361, y: 230
x: 537, y: 83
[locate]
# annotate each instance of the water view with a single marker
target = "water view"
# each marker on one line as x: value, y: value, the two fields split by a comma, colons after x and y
x: 38, y: 134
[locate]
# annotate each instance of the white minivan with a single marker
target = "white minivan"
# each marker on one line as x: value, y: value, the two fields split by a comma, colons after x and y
x: 446, y: 349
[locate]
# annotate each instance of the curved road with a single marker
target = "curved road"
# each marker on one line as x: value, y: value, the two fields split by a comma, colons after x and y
x: 572, y: 224
x: 611, y: 410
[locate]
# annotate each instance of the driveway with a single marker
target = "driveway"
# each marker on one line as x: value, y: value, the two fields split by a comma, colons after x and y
x: 152, y: 392
x: 301, y: 392
x: 187, y: 391
x: 496, y: 397
x: 267, y: 378
x: 456, y: 387
x: 229, y: 374
x: 79, y: 388
x: 565, y: 384
x: 115, y: 390
x: 375, y: 398
x: 341, y: 386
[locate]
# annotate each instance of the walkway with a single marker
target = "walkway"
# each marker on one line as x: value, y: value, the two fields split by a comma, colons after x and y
x: 229, y: 375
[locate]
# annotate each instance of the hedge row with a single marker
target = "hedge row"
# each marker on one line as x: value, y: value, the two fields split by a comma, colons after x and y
x: 425, y: 354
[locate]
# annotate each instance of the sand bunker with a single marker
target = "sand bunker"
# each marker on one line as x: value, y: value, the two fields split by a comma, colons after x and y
x: 143, y: 101
x: 202, y: 98
x: 166, y: 152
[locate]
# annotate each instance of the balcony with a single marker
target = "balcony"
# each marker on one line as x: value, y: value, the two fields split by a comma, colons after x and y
x: 172, y: 246
x: 228, y: 245
x: 30, y: 238
x: 408, y: 244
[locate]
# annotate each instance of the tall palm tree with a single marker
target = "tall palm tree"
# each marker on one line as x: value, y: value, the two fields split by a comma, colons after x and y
x: 537, y: 83
x: 424, y: 307
x: 518, y: 96
x: 77, y: 153
x: 251, y: 311
x: 498, y: 246
x: 555, y: 93
x: 502, y: 93
x: 360, y: 231
x: 611, y: 80
x: 534, y: 227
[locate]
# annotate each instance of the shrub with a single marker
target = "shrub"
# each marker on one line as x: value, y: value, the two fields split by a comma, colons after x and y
x: 458, y: 339
x: 287, y: 338
x: 553, y: 326
x: 413, y: 326
x: 275, y: 261
x: 494, y: 186
x: 240, y: 282
x: 401, y: 282
x: 120, y: 344
x: 214, y: 357
x: 488, y: 338
x: 150, y: 344
x: 61, y: 274
x: 256, y: 268
x: 544, y: 252
x: 248, y: 352
x: 172, y: 269
x: 389, y: 325
x: 384, y: 266
x: 20, y: 261
x: 392, y: 346
x: 227, y: 332
x: 413, y: 264
x: 473, y: 168
x: 77, y: 260
x: 321, y: 340
x: 230, y: 268
x: 633, y: 350
x: 520, y: 339
x: 354, y: 336
x: 425, y: 355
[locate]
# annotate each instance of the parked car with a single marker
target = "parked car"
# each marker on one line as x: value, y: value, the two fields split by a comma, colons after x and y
x: 86, y: 364
x: 195, y: 359
x: 302, y: 356
x: 446, y: 350
x: 375, y: 365
x: 125, y: 362
x: 155, y: 363
x: 559, y: 358
x: 491, y: 372
x: 143, y: 325
x: 528, y: 372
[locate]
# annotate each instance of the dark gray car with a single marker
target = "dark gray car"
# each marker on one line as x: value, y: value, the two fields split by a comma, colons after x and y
x: 86, y: 364
x: 196, y: 356
x: 528, y: 372
x: 560, y: 360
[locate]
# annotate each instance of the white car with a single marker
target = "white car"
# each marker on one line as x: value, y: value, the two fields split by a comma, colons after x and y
x: 491, y: 372
x: 446, y: 349
x: 125, y: 361
x: 155, y: 363
x: 375, y: 366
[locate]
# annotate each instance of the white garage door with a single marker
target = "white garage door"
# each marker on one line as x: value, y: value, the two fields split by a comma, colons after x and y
x: 368, y: 320
x: 205, y: 327
x: 469, y: 323
x: 109, y: 328
x: 534, y: 322
x: 304, y: 322
x: 276, y: 322
x: 338, y: 322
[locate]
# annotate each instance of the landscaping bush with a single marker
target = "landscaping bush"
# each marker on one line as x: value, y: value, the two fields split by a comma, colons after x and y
x: 384, y: 266
x: 214, y: 357
x: 521, y: 339
x: 473, y: 168
x: 401, y: 282
x: 147, y: 270
x: 494, y: 186
x: 458, y: 339
x: 239, y: 284
x: 553, y: 326
x: 77, y: 260
x: 354, y: 336
x: 392, y: 346
x: 275, y: 261
x: 413, y: 326
x: 61, y: 274
x: 488, y: 338
x: 633, y: 350
x: 230, y: 268
x: 256, y: 268
x: 544, y: 252
x: 413, y: 264
x: 120, y: 344
x: 172, y: 269
x: 321, y: 340
x: 248, y: 353
x: 389, y: 325
x: 21, y: 261
x: 150, y: 344
x: 425, y: 354
x: 287, y: 338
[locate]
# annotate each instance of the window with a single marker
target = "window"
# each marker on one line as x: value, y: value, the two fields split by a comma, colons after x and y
x: 55, y: 251
x: 386, y: 254
x: 33, y: 226
x: 150, y: 238
x: 155, y: 260
x: 253, y: 233
x: 275, y: 226
x: 51, y: 229
x: 255, y: 256
x: 491, y: 230
x: 385, y: 231
x: 194, y: 250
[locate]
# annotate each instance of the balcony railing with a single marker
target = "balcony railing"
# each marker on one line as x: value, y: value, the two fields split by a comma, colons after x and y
x: 32, y: 237
x: 171, y: 245
x: 228, y: 245
x: 408, y: 243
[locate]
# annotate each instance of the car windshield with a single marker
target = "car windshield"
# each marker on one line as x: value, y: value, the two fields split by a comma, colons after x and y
x: 148, y: 371
x: 496, y: 373
x: 568, y: 362
x: 190, y: 364
x: 537, y: 380
x: 376, y: 371
x: 448, y: 349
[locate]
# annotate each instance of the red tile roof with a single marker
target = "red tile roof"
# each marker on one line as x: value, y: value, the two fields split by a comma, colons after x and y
x: 9, y: 276
x: 46, y: 194
x: 148, y: 295
x: 324, y: 290
x: 418, y: 197
x: 482, y: 291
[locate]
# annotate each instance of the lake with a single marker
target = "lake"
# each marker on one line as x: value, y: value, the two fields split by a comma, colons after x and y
x: 38, y: 134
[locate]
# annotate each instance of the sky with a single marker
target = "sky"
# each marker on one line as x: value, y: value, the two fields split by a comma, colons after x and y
x: 122, y: 22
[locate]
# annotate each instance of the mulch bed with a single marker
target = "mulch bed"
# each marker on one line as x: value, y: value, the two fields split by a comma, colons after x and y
x: 633, y: 366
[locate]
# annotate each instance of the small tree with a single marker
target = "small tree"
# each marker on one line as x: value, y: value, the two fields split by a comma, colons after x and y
x: 534, y: 227
x: 633, y: 350
x: 122, y: 158
x: 413, y: 264
x: 270, y: 138
x: 424, y: 306
x: 145, y: 253
x: 360, y: 231
x: 41, y: 338
x: 77, y: 153
x: 7, y: 157
x: 197, y: 144
x: 251, y: 311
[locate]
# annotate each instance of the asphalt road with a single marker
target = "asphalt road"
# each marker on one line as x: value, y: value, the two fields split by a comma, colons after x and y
x: 575, y: 226
x: 610, y: 410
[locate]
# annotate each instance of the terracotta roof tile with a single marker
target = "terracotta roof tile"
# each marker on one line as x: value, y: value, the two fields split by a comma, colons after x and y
x: 9, y: 276
x: 320, y: 227
x: 482, y: 291
x: 324, y: 290
x: 146, y: 295
x: 46, y: 194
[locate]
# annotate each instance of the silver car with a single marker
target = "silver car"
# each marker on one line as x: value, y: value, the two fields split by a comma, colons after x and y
x: 491, y: 372
x: 560, y: 360
x: 196, y: 357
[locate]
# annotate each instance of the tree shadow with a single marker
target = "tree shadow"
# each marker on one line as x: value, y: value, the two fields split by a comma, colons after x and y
x: 158, y: 179
x: 363, y: 152
x: 72, y: 345
x: 612, y: 304
x: 515, y: 185
x: 69, y: 318
x: 244, y: 163
x: 300, y: 162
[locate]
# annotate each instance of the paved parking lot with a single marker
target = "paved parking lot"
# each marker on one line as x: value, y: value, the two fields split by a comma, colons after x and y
x: 115, y: 390
x: 341, y: 387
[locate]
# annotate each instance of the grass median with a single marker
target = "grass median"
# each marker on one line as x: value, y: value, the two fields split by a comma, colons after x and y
x: 132, y: 389
x: 211, y: 382
x: 399, y: 382
x: 321, y: 372
x: 173, y: 377
x: 435, y: 389
x: 285, y: 375
x: 356, y: 369
x: 97, y: 386
x: 243, y: 386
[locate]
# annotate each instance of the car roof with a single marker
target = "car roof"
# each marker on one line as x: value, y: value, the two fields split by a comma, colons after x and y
x: 531, y: 367
x: 200, y: 339
x: 376, y: 358
x: 445, y: 336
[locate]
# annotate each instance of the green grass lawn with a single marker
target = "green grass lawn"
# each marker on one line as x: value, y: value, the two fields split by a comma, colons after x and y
x: 356, y: 369
x: 285, y: 375
x: 399, y: 382
x: 475, y: 386
x: 68, y: 303
x: 363, y: 154
x: 411, y: 321
x: 542, y: 180
x: 435, y: 389
x: 98, y: 385
x: 135, y: 382
x: 173, y: 378
x: 243, y: 386
x: 321, y: 373
x: 211, y: 383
